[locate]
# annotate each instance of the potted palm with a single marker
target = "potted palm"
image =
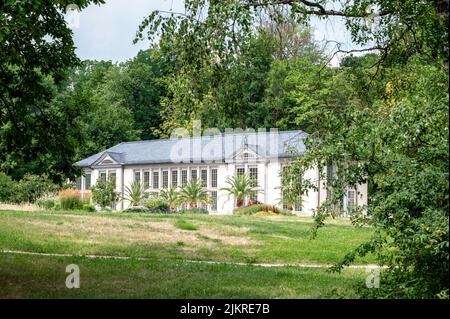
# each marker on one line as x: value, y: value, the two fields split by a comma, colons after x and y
x: 192, y: 194
x: 240, y: 186
x: 135, y: 194
x: 171, y: 196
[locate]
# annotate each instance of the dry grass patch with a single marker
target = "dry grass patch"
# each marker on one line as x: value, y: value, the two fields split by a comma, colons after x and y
x: 100, y: 229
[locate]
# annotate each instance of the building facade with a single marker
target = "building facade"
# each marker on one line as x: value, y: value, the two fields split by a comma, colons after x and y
x: 165, y: 163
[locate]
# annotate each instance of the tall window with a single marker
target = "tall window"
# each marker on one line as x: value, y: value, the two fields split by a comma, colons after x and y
x: 87, y: 181
x: 184, y: 177
x: 112, y: 177
x: 78, y: 182
x: 174, y: 178
x: 253, y: 174
x: 137, y: 175
x: 213, y: 200
x: 204, y: 177
x: 351, y: 199
x: 194, y: 176
x: 165, y: 179
x: 329, y: 180
x: 146, y: 179
x: 155, y: 180
x: 240, y: 171
x: 103, y: 176
x: 214, y: 177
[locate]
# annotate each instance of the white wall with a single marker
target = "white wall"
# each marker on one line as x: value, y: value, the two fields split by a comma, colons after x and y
x: 269, y: 181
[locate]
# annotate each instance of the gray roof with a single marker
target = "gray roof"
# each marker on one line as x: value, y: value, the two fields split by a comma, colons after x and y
x: 216, y: 148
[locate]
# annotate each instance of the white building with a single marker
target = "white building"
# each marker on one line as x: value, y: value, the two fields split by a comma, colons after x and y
x: 165, y: 163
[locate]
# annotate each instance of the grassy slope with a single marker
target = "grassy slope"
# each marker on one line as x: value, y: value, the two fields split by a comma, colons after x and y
x: 167, y: 241
x: 44, y: 277
x: 217, y: 238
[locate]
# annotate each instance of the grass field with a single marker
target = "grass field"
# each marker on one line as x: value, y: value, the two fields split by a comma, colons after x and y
x: 170, y: 242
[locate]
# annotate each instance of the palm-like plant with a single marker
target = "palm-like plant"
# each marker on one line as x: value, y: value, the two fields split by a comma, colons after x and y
x: 193, y: 193
x: 135, y: 194
x: 171, y: 196
x: 240, y: 186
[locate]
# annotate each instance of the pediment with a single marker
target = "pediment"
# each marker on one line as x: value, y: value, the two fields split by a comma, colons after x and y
x: 107, y: 159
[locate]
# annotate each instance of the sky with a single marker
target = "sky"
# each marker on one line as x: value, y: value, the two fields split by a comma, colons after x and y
x: 106, y: 32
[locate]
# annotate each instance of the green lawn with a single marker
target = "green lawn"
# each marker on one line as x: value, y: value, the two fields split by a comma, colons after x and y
x: 169, y: 241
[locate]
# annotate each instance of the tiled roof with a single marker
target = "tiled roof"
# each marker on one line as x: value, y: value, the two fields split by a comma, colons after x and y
x: 215, y: 148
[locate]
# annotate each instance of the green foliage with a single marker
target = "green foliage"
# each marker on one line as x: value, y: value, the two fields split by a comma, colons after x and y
x: 6, y: 188
x: 193, y: 193
x: 135, y: 194
x: 398, y: 141
x: 46, y: 203
x: 182, y: 224
x: 240, y: 186
x: 104, y: 193
x: 170, y: 196
x: 157, y: 203
x: 248, y: 210
x: 28, y: 189
x: 37, y: 135
x: 88, y: 208
x: 70, y: 203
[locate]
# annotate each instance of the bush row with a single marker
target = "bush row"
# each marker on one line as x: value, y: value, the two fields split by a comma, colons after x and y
x: 28, y: 189
x: 261, y: 210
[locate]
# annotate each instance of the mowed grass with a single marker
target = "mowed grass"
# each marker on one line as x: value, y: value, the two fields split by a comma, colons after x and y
x: 249, y: 239
x: 24, y: 276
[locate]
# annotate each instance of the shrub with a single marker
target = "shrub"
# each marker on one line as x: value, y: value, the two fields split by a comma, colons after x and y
x: 45, y: 203
x: 270, y: 208
x: 193, y: 211
x: 6, y: 188
x: 104, y: 193
x: 89, y: 208
x: 28, y: 189
x: 248, y: 210
x: 135, y: 194
x: 70, y: 199
x: 157, y: 203
x: 148, y: 210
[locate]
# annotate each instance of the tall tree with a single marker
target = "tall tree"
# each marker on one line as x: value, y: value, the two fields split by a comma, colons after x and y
x: 36, y: 49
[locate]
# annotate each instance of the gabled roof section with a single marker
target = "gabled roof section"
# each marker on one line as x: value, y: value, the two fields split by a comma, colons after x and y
x: 109, y: 158
x: 217, y: 148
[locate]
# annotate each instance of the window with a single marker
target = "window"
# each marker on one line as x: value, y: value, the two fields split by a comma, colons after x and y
x: 240, y: 171
x: 137, y: 175
x: 329, y: 180
x: 165, y: 179
x: 214, y: 177
x: 194, y: 174
x: 78, y: 182
x: 351, y: 199
x: 184, y: 177
x: 103, y: 176
x: 146, y: 179
x: 253, y: 174
x: 213, y: 201
x: 112, y: 177
x: 155, y: 180
x: 204, y: 177
x: 87, y: 184
x: 174, y: 178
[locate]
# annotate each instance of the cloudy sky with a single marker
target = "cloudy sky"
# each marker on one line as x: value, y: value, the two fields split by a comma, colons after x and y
x: 106, y: 32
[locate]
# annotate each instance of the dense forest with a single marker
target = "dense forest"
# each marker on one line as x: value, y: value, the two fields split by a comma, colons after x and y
x: 382, y: 114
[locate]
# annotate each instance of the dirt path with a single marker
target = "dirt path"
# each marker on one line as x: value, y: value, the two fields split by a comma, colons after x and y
x: 301, y: 265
